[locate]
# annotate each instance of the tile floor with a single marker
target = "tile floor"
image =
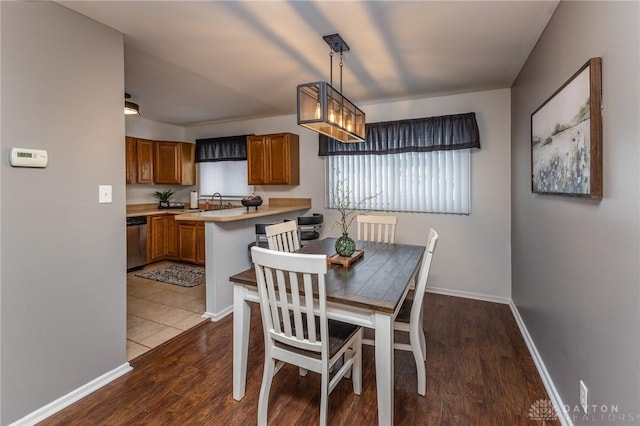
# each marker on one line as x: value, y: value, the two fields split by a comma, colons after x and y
x: 157, y: 312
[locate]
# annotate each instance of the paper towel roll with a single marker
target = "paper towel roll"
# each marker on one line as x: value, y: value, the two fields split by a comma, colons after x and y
x: 194, y: 200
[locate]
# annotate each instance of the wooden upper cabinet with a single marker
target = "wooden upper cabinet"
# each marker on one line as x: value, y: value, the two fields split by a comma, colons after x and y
x: 188, y: 163
x: 273, y: 159
x: 171, y: 163
x: 166, y: 162
x: 131, y: 156
x: 144, y: 152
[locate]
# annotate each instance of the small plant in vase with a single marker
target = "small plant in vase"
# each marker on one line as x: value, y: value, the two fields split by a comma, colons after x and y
x: 164, y: 196
x: 345, y: 246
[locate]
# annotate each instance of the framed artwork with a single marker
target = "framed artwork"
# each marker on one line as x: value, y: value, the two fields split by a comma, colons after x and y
x: 566, y: 137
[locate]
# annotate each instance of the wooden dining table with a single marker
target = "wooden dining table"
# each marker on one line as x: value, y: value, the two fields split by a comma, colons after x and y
x: 368, y: 293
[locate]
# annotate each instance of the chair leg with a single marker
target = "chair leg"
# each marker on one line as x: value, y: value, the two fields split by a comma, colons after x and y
x: 302, y: 371
x: 423, y: 343
x: 419, y: 356
x: 324, y: 399
x: 356, y: 368
x: 263, y: 401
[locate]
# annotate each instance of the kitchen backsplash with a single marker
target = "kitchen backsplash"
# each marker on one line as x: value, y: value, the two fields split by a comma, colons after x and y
x: 141, y: 194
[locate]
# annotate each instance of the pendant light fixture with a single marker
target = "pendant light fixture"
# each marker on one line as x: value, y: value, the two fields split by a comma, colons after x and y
x: 324, y: 109
x: 130, y: 108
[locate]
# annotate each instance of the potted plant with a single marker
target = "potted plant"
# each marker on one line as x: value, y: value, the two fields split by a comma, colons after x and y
x: 163, y: 197
x: 345, y: 246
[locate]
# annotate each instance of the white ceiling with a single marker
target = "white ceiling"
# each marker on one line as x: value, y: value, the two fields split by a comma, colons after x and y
x: 207, y: 61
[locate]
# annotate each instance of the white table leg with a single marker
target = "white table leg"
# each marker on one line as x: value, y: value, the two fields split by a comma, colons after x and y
x: 384, y: 367
x: 241, y: 323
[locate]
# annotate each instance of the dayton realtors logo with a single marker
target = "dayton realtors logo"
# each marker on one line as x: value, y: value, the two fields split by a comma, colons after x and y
x: 544, y: 410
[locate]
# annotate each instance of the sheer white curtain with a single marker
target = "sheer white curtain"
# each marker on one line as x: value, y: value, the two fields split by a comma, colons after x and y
x: 435, y: 182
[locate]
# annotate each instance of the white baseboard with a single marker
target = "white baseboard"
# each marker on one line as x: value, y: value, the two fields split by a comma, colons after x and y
x: 218, y: 316
x: 73, y: 396
x: 563, y: 416
x: 469, y: 295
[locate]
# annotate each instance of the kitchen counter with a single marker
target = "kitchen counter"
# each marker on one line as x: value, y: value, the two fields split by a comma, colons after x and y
x: 228, y: 233
x: 274, y: 207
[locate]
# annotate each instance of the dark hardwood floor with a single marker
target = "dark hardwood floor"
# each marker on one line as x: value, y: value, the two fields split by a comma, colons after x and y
x: 479, y: 372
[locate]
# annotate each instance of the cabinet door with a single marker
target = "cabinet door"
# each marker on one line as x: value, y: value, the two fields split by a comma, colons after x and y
x: 256, y: 160
x: 144, y: 151
x: 167, y: 157
x: 200, y: 244
x: 187, y: 241
x: 131, y: 156
x: 172, y: 235
x: 156, y: 238
x: 278, y: 159
x: 188, y: 163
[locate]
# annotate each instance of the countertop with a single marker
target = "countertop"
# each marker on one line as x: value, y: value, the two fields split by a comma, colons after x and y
x: 274, y: 206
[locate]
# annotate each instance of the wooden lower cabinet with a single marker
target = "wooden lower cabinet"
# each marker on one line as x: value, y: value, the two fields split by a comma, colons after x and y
x: 172, y: 240
x: 175, y: 240
x: 156, y: 238
x: 191, y: 242
x: 200, y: 244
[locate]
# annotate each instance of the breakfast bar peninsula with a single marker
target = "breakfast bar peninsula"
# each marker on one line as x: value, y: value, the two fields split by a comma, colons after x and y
x: 227, y: 235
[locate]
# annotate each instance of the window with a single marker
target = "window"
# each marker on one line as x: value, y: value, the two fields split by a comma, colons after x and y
x: 223, y: 165
x: 226, y: 177
x: 421, y: 165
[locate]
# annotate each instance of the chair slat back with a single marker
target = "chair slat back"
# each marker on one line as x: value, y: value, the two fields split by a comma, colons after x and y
x: 421, y: 285
x: 286, y: 283
x: 283, y: 236
x: 381, y: 229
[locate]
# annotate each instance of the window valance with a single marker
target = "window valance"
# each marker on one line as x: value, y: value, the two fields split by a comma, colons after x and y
x: 227, y: 148
x: 447, y: 132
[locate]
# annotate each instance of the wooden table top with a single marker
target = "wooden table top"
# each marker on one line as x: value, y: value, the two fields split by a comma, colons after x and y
x: 377, y: 281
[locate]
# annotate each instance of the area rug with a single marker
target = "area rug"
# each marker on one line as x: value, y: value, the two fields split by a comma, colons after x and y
x: 182, y: 275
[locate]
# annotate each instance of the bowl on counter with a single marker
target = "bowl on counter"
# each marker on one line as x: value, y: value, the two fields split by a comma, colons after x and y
x: 251, y: 202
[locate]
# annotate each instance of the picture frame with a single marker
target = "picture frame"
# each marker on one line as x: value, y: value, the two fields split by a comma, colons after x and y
x: 566, y: 137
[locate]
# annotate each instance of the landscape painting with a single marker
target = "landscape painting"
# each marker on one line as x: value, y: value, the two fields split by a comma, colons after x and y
x: 566, y: 137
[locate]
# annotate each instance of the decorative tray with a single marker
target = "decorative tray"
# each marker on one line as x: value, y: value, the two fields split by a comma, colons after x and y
x: 345, y: 261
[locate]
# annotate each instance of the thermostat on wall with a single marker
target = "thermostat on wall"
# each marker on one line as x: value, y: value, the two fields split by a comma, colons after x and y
x: 25, y: 157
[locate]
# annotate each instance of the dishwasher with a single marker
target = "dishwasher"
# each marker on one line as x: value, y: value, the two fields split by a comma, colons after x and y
x: 136, y: 242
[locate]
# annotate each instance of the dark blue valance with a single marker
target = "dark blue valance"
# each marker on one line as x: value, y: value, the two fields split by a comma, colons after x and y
x: 227, y: 148
x: 447, y: 132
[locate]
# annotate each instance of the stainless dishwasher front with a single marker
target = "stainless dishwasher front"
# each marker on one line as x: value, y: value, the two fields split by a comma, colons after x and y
x: 136, y: 242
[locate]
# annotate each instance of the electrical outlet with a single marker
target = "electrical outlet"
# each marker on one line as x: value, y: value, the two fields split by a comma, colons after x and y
x: 584, y: 401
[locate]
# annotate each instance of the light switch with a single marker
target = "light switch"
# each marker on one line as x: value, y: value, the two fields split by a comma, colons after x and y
x: 104, y: 194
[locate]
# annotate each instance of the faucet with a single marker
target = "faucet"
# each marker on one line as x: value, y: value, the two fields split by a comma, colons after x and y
x: 219, y: 195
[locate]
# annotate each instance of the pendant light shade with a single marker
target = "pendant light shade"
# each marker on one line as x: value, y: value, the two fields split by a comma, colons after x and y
x: 130, y: 108
x: 325, y: 110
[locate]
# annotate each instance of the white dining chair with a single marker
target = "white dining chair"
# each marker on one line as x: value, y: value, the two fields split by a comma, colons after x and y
x: 283, y: 236
x: 293, y: 333
x: 381, y: 229
x: 409, y: 318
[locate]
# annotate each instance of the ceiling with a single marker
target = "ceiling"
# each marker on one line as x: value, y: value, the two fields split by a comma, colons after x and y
x: 189, y: 63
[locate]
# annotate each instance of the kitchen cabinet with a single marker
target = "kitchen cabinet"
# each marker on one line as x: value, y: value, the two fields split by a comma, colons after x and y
x: 131, y: 156
x: 172, y: 234
x: 273, y: 159
x: 200, y: 244
x: 139, y: 160
x: 188, y: 163
x: 191, y: 242
x: 166, y: 161
x: 156, y: 238
x: 169, y: 163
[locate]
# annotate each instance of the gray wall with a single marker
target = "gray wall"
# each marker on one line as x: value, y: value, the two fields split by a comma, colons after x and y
x: 576, y: 269
x: 62, y: 267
